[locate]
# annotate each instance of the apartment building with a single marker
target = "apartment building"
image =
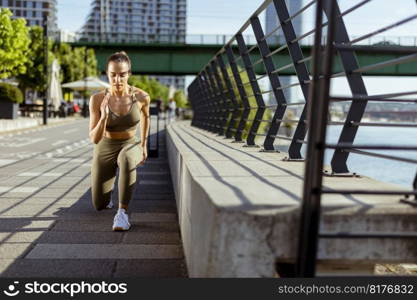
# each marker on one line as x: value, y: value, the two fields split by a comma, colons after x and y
x: 34, y: 11
x: 139, y: 21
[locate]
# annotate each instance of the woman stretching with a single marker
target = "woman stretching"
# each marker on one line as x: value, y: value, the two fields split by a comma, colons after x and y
x: 114, y: 115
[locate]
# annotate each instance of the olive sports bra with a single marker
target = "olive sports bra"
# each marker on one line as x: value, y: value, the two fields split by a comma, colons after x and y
x: 125, y: 122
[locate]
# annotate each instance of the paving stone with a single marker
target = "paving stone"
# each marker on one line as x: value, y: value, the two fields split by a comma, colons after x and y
x: 151, y: 202
x: 164, y: 238
x: 153, y: 217
x: 14, y: 250
x: 155, y: 182
x: 18, y: 189
x: 79, y: 237
x: 57, y: 268
x: 104, y: 251
x: 36, y: 174
x: 150, y: 268
x: 20, y: 237
x: 152, y: 196
x: 106, y: 226
x: 25, y: 224
x: 154, y: 209
x: 154, y: 177
x: 33, y: 210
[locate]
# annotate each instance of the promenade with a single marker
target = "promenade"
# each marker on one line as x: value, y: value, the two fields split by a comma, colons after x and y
x: 49, y: 228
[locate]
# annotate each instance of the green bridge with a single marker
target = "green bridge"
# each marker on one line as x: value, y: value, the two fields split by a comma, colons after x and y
x: 189, y: 59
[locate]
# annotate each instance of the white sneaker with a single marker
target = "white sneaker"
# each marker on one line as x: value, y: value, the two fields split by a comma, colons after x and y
x: 121, y: 221
x: 110, y: 205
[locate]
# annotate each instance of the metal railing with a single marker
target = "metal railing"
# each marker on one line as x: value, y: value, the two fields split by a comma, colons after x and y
x: 227, y: 98
x: 215, y: 39
x: 318, y: 107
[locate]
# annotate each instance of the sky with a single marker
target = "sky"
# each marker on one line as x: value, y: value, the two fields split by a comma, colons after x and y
x: 227, y: 16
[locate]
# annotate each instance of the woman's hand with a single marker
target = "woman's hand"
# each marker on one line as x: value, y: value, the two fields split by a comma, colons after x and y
x: 104, y: 107
x: 144, y: 156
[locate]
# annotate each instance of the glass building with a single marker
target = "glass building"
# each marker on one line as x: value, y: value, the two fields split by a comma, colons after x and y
x: 271, y: 23
x: 138, y: 21
x: 33, y: 11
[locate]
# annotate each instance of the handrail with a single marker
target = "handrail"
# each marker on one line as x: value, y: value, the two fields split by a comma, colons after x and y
x: 228, y: 98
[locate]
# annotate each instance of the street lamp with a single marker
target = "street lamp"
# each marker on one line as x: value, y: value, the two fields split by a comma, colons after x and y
x: 85, y: 84
x: 46, y: 68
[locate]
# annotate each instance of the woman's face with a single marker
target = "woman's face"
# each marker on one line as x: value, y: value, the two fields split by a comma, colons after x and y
x: 118, y: 74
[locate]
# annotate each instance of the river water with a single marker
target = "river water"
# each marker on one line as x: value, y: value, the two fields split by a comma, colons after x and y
x: 378, y: 168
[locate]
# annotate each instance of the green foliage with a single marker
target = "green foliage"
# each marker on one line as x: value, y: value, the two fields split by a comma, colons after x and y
x: 35, y: 76
x: 14, y: 45
x: 10, y: 93
x: 153, y: 87
x: 63, y: 53
x: 73, y: 62
x: 264, y: 126
x: 180, y: 98
x: 290, y: 115
x: 22, y: 55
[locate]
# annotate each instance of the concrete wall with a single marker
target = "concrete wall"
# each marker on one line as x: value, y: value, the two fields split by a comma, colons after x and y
x: 239, y: 210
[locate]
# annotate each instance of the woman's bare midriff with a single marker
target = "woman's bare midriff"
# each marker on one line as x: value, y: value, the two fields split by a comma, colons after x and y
x: 119, y: 135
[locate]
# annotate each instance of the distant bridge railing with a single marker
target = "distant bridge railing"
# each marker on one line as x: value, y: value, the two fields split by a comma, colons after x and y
x: 227, y: 98
x: 220, y: 39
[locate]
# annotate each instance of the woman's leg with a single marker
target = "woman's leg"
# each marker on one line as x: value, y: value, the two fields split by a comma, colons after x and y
x: 103, y: 174
x: 127, y: 161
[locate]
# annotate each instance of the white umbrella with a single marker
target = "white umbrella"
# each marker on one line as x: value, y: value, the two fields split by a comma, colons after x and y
x: 55, y: 91
x: 88, y: 83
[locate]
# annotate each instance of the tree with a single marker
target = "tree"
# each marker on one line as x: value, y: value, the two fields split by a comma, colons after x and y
x: 72, y: 62
x: 264, y: 126
x: 153, y: 87
x: 10, y: 93
x: 14, y: 45
x: 63, y: 53
x: 78, y: 58
x: 180, y: 98
x: 35, y: 77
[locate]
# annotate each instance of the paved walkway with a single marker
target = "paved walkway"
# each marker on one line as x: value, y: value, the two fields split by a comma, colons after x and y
x: 48, y: 227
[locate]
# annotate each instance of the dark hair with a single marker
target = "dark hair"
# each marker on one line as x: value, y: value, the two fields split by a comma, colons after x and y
x: 119, y: 57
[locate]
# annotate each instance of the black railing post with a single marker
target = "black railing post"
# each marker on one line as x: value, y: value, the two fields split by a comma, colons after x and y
x: 242, y: 93
x: 203, y: 103
x: 234, y: 106
x: 317, y: 120
x: 357, y: 87
x: 196, y: 94
x: 212, y: 118
x: 225, y: 113
x: 275, y: 84
x: 303, y: 75
x: 217, y: 98
x: 250, y: 141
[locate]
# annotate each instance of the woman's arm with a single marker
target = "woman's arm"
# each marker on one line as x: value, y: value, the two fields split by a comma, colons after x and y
x: 98, y: 118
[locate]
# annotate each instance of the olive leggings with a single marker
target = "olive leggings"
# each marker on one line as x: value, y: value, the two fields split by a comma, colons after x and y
x: 108, y: 155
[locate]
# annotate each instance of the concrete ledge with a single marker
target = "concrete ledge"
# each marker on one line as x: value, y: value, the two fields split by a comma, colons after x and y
x: 239, y: 210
